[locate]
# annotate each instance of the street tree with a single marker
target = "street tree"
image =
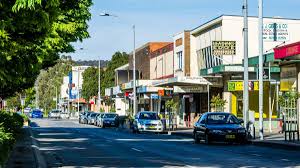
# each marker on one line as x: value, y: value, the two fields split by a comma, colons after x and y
x: 32, y: 35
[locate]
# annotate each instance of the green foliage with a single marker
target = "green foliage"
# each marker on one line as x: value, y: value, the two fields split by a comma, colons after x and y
x: 90, y: 76
x: 286, y: 99
x: 90, y: 82
x: 32, y: 35
x: 10, y: 127
x: 117, y: 60
x: 170, y: 104
x: 49, y: 80
x: 6, y: 143
x: 218, y: 103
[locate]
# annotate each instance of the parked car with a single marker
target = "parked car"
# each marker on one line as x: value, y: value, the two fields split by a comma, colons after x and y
x: 83, y: 117
x: 36, y: 113
x: 91, y: 118
x: 98, y: 119
x: 64, y: 115
x: 54, y: 114
x: 219, y: 126
x: 147, y: 121
x: 109, y: 120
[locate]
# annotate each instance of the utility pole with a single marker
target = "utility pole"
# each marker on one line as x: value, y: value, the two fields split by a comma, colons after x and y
x: 261, y: 85
x: 134, y: 74
x: 99, y: 85
x: 246, y: 74
x: 78, y: 90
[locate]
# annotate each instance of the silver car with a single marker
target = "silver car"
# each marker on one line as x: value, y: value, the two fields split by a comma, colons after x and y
x: 147, y: 121
x: 109, y: 120
x: 91, y: 118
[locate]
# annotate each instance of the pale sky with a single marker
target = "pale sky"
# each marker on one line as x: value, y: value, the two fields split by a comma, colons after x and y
x: 159, y: 20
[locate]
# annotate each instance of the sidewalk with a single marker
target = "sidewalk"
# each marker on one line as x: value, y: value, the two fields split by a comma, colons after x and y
x: 26, y: 153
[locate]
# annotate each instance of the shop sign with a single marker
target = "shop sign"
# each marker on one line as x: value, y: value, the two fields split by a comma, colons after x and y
x: 287, y: 84
x: 154, y: 96
x: 190, y: 89
x: 239, y: 86
x: 287, y: 51
x: 276, y: 32
x: 161, y: 92
x: 223, y: 48
x: 142, y: 89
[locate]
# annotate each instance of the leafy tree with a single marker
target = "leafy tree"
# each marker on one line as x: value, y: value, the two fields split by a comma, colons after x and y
x: 218, y: 103
x: 33, y: 33
x: 117, y: 60
x: 49, y: 80
x: 90, y: 82
x: 90, y: 76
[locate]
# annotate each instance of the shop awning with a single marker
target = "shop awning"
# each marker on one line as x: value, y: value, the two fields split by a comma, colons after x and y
x: 182, y: 81
x: 290, y: 51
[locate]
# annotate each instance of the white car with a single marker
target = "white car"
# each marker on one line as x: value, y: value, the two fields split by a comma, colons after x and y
x: 54, y: 114
x: 147, y: 121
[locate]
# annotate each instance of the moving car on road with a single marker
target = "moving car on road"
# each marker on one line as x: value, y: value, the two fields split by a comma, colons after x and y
x: 109, y: 120
x: 147, y: 121
x: 219, y: 126
x: 36, y: 113
x: 54, y: 114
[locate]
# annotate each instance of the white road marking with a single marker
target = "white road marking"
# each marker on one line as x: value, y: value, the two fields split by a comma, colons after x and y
x: 136, y: 149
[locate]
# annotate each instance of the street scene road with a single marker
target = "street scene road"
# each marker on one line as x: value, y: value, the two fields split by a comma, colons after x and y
x: 65, y: 143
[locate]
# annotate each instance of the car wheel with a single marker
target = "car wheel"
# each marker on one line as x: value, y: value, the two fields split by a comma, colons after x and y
x: 196, y: 139
x: 206, y: 138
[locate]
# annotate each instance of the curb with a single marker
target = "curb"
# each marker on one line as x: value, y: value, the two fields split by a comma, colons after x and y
x: 40, y: 160
x: 280, y: 145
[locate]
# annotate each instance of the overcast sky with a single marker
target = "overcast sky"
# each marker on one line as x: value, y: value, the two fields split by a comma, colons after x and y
x: 159, y: 20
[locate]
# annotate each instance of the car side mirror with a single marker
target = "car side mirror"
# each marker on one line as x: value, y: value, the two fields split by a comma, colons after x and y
x: 241, y: 121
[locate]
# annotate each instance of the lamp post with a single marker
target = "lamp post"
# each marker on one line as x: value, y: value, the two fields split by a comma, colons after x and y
x: 260, y: 40
x: 134, y: 68
x: 99, y: 84
x: 246, y: 74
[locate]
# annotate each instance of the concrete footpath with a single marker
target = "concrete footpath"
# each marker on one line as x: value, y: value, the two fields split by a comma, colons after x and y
x: 26, y: 152
x: 271, y: 140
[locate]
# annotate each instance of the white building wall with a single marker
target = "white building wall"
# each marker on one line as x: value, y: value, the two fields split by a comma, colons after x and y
x: 78, y: 70
x: 231, y: 29
x: 177, y: 71
x: 64, y: 88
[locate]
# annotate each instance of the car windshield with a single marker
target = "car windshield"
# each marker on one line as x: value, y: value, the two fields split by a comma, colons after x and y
x: 149, y: 116
x: 221, y: 119
x: 93, y: 115
x: 110, y: 115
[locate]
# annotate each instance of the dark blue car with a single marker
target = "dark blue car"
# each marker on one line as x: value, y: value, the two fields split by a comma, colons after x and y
x: 219, y: 126
x: 36, y: 114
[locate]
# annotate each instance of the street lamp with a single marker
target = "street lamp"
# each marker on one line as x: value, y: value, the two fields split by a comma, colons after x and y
x: 261, y: 93
x: 134, y: 68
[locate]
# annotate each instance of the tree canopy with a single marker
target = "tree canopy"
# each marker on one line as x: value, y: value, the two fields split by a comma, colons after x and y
x: 90, y: 76
x: 32, y: 35
x: 50, y: 80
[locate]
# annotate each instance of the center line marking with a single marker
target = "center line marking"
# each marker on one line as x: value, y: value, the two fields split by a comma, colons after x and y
x: 136, y: 149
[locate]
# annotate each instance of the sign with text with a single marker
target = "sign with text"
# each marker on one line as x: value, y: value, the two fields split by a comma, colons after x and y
x: 223, y: 48
x: 276, y: 32
x: 239, y: 86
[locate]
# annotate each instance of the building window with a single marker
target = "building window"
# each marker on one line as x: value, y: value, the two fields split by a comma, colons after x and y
x: 206, y: 59
x: 179, y: 58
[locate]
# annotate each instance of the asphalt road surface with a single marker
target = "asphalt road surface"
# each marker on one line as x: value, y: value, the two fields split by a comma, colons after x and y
x: 65, y: 143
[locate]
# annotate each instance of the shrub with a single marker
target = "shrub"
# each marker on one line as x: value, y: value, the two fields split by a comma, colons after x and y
x: 11, y: 122
x: 6, y: 143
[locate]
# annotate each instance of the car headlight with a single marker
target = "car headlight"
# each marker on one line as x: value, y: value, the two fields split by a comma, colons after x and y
x: 241, y: 131
x: 216, y: 131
